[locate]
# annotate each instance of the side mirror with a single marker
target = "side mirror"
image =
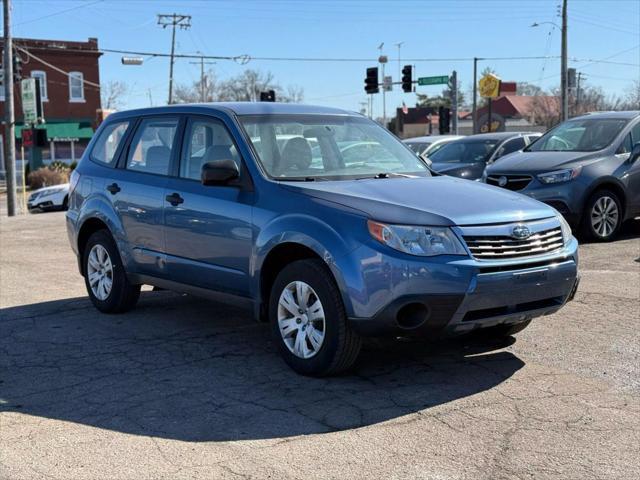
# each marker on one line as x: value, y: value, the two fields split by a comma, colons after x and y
x: 426, y: 160
x: 635, y: 153
x: 220, y: 172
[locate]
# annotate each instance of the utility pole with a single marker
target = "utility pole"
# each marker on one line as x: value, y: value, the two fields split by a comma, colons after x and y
x: 564, y: 87
x: 203, y: 78
x: 384, y: 94
x: 382, y: 59
x: 579, y: 80
x: 399, y: 45
x: 10, y: 121
x: 475, y: 94
x: 173, y: 20
x: 454, y: 102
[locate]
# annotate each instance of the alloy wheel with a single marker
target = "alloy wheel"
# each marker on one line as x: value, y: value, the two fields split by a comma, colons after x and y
x: 604, y: 216
x: 301, y: 319
x: 100, y: 272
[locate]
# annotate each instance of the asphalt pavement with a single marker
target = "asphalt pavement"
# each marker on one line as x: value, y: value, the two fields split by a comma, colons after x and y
x: 185, y: 388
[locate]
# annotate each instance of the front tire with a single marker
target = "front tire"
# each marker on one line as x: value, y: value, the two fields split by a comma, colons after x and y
x: 105, y: 279
x: 309, y: 322
x: 602, y: 216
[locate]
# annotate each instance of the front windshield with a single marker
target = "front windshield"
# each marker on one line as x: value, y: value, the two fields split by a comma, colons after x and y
x: 328, y: 147
x: 464, y: 151
x: 586, y: 135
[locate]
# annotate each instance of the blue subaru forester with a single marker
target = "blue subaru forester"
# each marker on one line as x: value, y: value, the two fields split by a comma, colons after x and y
x: 318, y: 219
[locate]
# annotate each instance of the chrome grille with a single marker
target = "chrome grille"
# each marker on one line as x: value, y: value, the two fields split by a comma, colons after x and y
x: 514, y: 182
x: 503, y: 246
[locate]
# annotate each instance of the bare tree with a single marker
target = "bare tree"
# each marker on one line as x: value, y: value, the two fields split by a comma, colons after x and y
x: 245, y: 87
x: 194, y: 93
x: 632, y: 96
x: 526, y: 88
x: 112, y: 94
x: 295, y: 94
x: 545, y: 110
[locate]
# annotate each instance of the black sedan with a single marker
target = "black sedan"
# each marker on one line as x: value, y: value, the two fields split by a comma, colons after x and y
x: 468, y: 156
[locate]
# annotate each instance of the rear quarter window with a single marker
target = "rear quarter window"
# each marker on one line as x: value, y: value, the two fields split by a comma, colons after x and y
x: 109, y: 139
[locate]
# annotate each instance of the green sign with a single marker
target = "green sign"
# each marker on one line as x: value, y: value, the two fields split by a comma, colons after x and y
x: 433, y: 80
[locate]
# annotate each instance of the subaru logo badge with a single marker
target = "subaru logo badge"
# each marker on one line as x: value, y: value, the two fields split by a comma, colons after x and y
x: 502, y: 181
x: 521, y: 232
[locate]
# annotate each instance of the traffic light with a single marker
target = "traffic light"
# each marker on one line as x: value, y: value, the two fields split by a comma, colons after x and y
x: 445, y: 119
x: 371, y: 81
x: 268, y: 96
x: 407, y: 81
x: 17, y: 68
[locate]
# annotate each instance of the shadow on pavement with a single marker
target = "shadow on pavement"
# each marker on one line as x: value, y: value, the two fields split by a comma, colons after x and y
x: 185, y: 369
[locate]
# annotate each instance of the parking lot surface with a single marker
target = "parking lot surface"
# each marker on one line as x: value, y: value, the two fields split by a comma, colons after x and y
x: 185, y: 388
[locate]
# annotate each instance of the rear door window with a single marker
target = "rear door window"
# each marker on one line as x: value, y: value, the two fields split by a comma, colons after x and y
x: 152, y: 146
x: 511, y: 146
x: 107, y: 144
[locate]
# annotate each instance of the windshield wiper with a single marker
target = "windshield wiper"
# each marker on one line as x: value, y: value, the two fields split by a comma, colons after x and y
x: 299, y: 179
x: 386, y: 175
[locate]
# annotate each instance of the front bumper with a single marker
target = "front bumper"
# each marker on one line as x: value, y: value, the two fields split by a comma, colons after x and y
x: 432, y: 297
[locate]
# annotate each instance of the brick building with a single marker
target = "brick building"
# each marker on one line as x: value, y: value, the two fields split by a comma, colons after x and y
x: 69, y: 78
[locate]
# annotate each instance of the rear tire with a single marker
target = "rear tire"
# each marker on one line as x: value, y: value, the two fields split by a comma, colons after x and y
x: 309, y: 322
x: 105, y: 278
x: 602, y: 216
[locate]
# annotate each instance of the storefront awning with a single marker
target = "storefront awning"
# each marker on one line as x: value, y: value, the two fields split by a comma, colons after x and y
x: 64, y: 132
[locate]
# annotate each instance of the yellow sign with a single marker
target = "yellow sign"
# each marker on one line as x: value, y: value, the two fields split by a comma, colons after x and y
x: 489, y: 86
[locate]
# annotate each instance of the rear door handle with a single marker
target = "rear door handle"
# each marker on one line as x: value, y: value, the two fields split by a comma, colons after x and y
x: 174, y: 199
x: 113, y: 188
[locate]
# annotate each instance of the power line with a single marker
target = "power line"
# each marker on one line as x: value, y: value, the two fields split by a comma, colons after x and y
x: 60, y: 12
x: 53, y: 67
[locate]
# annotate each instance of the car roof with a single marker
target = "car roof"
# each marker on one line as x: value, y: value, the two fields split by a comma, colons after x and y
x: 628, y: 114
x: 430, y: 138
x: 238, y: 108
x: 498, y: 135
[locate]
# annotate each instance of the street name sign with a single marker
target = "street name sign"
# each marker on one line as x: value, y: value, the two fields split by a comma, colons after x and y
x: 438, y: 80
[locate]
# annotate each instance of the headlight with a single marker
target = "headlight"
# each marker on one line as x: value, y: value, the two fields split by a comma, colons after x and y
x: 566, y: 229
x: 422, y: 241
x: 559, y: 175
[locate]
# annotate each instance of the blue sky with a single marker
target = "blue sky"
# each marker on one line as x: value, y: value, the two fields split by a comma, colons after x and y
x: 598, y: 30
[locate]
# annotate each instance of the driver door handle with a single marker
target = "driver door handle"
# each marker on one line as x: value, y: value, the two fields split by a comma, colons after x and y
x: 113, y: 188
x: 174, y: 199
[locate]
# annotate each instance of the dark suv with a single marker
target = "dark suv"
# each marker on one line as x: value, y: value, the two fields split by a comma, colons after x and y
x: 587, y: 168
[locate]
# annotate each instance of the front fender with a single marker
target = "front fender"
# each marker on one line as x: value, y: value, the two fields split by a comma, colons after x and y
x: 311, y: 232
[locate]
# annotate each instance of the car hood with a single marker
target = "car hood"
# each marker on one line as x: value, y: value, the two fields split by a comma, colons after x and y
x: 427, y: 201
x: 535, y: 162
x: 52, y: 187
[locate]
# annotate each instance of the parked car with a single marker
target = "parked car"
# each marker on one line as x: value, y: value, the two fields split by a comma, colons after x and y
x: 426, y: 145
x: 46, y: 199
x: 468, y: 157
x: 203, y: 199
x: 587, y: 168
